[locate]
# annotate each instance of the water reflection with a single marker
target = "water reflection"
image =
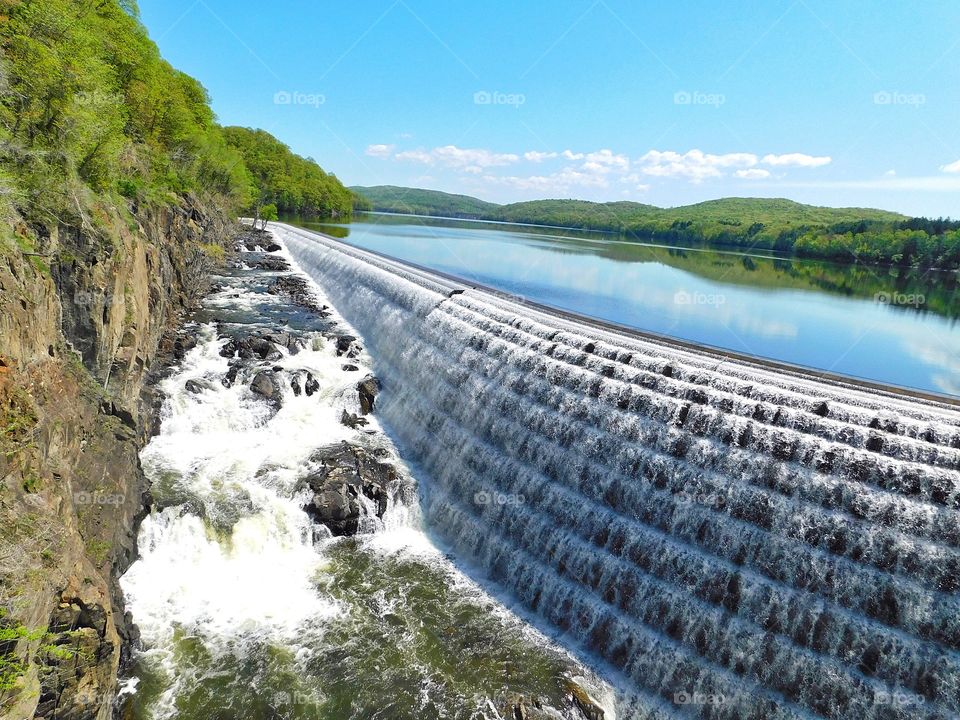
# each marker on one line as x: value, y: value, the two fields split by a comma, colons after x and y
x: 895, y: 325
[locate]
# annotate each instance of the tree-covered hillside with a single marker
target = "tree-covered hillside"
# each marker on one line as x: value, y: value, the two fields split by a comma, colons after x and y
x: 294, y: 184
x: 390, y: 198
x: 92, y: 116
x: 766, y: 223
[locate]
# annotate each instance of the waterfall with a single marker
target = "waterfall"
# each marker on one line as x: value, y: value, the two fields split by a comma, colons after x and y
x: 737, y: 540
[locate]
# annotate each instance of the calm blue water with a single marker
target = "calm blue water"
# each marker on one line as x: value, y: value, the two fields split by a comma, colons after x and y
x: 898, y: 327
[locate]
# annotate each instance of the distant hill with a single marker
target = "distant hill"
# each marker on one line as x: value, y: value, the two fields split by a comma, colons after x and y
x: 390, y: 198
x: 842, y: 234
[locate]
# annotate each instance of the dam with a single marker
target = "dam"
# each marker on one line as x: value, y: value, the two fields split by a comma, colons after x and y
x: 733, y: 539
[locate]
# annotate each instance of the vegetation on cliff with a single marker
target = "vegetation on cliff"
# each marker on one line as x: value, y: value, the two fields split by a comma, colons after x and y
x: 91, y: 115
x: 843, y: 234
x: 282, y: 178
x: 117, y: 190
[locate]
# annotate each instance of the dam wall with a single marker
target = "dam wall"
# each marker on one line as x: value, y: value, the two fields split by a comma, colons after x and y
x: 738, y: 540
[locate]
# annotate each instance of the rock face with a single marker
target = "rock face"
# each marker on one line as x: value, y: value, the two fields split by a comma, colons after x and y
x: 80, y: 334
x: 345, y: 474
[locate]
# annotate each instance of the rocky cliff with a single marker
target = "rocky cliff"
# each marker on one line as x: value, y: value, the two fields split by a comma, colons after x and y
x: 84, y: 318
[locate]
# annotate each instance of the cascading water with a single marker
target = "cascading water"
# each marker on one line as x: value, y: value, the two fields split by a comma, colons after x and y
x: 738, y: 541
x: 247, y: 609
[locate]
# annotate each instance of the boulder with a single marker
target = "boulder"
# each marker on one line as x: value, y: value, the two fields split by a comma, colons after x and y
x: 266, y: 385
x: 345, y: 473
x: 368, y: 389
x: 249, y: 348
x: 352, y: 420
x: 311, y: 385
x: 197, y: 386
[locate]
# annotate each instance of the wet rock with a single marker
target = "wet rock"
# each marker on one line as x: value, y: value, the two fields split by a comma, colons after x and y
x: 343, y: 343
x: 368, y: 389
x: 352, y: 420
x: 345, y: 474
x: 581, y: 699
x: 233, y: 369
x: 349, y: 368
x: 265, y: 384
x: 295, y: 386
x: 182, y: 345
x: 271, y: 263
x: 197, y: 386
x: 250, y: 348
x: 311, y: 385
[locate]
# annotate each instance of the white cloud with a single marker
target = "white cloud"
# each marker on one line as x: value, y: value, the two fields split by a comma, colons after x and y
x: 569, y: 155
x: 419, y: 156
x: 557, y: 183
x: 380, y: 151
x: 460, y: 158
x: 953, y: 167
x: 796, y: 160
x: 604, y: 161
x: 890, y: 173
x: 752, y: 174
x: 694, y: 165
x: 535, y: 156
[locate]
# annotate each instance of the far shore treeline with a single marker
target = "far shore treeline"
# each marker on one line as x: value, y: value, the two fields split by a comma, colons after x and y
x: 94, y: 121
x: 839, y: 234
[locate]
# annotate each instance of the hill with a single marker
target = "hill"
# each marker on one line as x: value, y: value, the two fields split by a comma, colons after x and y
x: 842, y: 234
x: 415, y: 201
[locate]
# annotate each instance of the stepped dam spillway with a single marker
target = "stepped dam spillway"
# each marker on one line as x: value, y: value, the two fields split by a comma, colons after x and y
x: 730, y: 538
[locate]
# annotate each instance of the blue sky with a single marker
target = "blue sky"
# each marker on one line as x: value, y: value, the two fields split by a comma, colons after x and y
x: 832, y: 102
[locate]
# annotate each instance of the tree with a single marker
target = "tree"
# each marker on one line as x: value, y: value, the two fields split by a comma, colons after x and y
x: 267, y: 213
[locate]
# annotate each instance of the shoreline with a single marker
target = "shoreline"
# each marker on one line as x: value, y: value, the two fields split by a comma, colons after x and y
x: 632, y: 238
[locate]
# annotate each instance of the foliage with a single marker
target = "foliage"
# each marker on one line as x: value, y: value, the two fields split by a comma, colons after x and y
x: 843, y: 234
x: 414, y: 201
x: 90, y: 109
x: 214, y: 252
x: 292, y: 183
x: 18, y: 418
x: 11, y: 666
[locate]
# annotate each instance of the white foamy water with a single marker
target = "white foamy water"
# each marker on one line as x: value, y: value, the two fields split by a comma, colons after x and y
x: 235, y: 589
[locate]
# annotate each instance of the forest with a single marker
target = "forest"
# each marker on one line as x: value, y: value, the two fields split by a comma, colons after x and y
x: 92, y: 115
x: 785, y: 226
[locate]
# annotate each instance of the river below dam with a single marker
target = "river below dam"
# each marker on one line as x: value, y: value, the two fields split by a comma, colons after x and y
x: 248, y: 610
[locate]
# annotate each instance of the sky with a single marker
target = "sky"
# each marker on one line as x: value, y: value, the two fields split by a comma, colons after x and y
x: 829, y: 102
